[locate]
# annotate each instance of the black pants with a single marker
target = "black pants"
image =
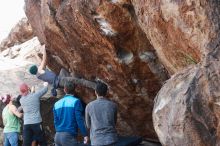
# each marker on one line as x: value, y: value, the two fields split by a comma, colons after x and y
x: 35, y: 131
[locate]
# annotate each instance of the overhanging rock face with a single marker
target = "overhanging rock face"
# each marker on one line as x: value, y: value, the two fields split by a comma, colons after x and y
x: 102, y: 39
x: 178, y: 30
x: 120, y: 41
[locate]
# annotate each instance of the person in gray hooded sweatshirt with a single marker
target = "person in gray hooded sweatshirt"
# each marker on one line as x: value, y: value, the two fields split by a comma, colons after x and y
x: 30, y: 103
x: 101, y: 117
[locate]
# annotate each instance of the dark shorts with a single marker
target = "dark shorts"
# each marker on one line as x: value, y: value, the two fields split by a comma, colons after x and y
x: 34, y: 138
x: 33, y: 132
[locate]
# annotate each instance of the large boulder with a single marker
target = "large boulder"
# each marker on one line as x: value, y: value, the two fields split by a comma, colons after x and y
x: 101, y: 39
x: 186, y: 110
x: 19, y: 34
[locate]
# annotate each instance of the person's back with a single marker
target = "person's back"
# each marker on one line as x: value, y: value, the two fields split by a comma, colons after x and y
x: 31, y: 106
x: 68, y: 118
x: 103, y: 121
x: 101, y: 117
x: 30, y: 102
x: 65, y: 114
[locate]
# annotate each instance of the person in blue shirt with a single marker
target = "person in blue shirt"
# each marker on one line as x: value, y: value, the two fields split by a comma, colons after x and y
x: 57, y: 81
x: 68, y: 118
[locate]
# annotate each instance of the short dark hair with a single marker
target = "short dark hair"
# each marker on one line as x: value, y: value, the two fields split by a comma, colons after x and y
x: 69, y: 87
x: 101, y: 88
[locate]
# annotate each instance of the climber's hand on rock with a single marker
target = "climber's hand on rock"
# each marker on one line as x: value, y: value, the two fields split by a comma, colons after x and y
x: 43, y: 48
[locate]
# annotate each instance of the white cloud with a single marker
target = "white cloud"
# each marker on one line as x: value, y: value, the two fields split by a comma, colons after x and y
x: 11, y: 11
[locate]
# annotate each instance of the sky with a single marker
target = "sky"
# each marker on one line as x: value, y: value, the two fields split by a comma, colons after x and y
x: 11, y: 11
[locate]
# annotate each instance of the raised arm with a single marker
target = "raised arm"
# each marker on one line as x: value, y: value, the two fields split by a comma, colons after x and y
x: 43, y: 64
x: 42, y: 91
x: 14, y: 110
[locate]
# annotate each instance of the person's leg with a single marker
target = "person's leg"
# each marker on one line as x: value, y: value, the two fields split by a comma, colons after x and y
x: 57, y: 139
x: 64, y: 73
x: 6, y: 141
x: 39, y: 134
x: 13, y: 138
x: 27, y: 135
x: 34, y: 143
x: 77, y: 81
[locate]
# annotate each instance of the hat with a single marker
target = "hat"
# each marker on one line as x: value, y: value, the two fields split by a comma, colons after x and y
x: 33, y: 69
x: 24, y: 89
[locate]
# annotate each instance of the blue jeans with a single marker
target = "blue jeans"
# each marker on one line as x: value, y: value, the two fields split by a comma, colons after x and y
x: 11, y: 139
x: 65, y: 139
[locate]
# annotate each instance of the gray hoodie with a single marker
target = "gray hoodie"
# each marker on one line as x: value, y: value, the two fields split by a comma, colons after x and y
x: 31, y: 106
x: 101, y: 117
